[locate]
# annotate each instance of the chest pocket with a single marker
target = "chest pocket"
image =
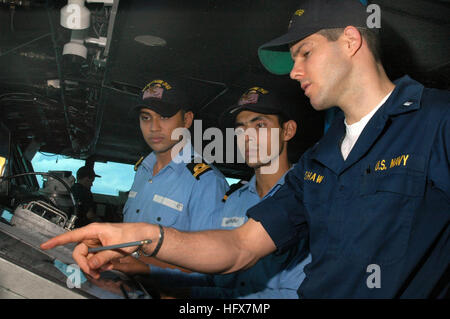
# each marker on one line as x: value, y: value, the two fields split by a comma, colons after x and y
x: 381, y: 223
x: 397, y: 183
x: 168, y: 210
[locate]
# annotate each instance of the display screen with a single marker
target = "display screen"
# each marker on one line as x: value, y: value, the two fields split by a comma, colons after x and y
x: 6, y: 215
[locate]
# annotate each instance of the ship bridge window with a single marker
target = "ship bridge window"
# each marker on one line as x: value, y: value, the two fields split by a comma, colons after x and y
x: 115, y: 177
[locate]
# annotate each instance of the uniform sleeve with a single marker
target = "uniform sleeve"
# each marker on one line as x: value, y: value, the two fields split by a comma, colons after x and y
x: 205, y: 204
x: 440, y: 173
x: 283, y: 215
x: 227, y: 293
x: 125, y: 211
x: 176, y: 278
x: 284, y: 285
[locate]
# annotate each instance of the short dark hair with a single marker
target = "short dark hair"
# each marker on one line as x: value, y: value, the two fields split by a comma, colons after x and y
x: 282, y: 118
x: 372, y: 38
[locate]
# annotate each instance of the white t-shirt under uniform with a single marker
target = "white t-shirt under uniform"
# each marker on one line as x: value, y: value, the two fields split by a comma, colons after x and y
x: 352, y: 132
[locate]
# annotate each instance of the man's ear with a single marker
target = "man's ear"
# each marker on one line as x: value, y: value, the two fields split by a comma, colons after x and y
x: 188, y: 118
x: 289, y: 130
x: 352, y: 40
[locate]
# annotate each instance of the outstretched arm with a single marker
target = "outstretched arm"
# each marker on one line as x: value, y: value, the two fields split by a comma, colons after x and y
x: 212, y: 251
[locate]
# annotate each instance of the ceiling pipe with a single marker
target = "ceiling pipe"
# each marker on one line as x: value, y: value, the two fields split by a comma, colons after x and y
x: 69, y: 126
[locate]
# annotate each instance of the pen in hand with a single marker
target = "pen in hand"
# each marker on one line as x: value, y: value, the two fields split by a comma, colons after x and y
x: 134, y: 243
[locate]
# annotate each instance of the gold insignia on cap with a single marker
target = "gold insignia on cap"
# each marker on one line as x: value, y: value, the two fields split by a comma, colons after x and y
x: 157, y: 83
x: 299, y: 12
x: 251, y: 96
x: 155, y: 89
x: 258, y: 89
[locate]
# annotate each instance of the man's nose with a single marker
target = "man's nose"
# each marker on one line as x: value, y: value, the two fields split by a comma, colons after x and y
x: 155, y: 124
x: 250, y: 134
x: 298, y: 70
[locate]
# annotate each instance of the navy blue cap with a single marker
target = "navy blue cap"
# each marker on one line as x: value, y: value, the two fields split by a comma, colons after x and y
x: 310, y: 17
x: 164, y: 97
x: 255, y: 99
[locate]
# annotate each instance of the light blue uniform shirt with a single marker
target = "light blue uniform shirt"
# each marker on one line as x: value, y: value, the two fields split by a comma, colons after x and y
x: 274, y: 276
x: 174, y: 197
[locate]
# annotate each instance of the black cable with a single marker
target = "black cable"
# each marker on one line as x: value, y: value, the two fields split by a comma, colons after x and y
x: 15, y: 93
x: 25, y: 44
x: 60, y: 75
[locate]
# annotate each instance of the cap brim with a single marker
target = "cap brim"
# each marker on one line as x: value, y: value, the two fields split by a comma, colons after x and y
x: 275, y: 55
x: 162, y: 108
x: 228, y: 117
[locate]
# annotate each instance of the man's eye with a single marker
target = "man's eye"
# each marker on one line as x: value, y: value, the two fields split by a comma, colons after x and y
x: 145, y: 118
x: 260, y: 124
x: 306, y: 54
x: 238, y: 131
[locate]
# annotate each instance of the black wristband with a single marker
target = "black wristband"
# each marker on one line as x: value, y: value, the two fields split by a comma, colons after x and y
x: 160, y: 241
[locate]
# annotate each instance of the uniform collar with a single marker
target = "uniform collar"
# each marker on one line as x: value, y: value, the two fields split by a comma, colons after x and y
x: 185, y: 156
x: 178, y: 162
x: 251, y: 185
x: 149, y: 161
x: 405, y: 98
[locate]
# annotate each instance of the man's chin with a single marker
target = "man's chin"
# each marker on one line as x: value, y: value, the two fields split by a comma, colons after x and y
x: 316, y: 105
x: 319, y: 105
x: 158, y: 148
x: 255, y: 164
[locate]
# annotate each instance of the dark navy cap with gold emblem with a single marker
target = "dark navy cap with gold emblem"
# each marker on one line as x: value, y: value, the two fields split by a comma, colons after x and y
x: 164, y: 97
x: 255, y: 99
x: 310, y: 17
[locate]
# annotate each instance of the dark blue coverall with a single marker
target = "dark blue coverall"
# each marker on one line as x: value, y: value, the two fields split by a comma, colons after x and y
x: 378, y: 222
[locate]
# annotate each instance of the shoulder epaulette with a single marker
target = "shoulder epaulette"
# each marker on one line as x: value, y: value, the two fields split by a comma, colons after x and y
x: 233, y: 188
x: 136, y: 166
x: 198, y: 169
